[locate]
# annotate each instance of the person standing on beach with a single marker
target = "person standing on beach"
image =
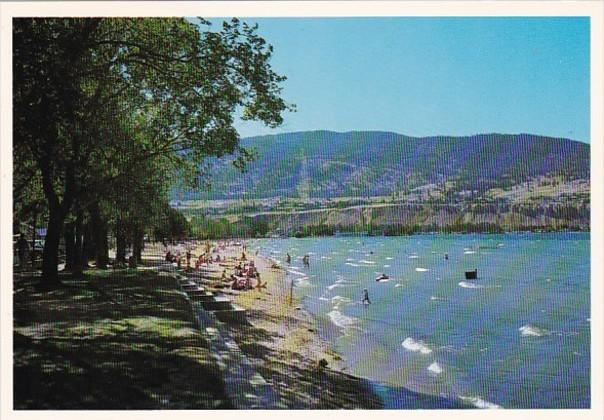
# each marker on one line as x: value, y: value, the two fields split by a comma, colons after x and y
x: 289, y: 258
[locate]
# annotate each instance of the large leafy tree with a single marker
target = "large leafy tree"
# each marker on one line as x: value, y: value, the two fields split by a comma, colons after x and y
x: 97, y: 100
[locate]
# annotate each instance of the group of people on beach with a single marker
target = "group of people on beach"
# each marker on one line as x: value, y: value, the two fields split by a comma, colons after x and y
x: 243, y: 275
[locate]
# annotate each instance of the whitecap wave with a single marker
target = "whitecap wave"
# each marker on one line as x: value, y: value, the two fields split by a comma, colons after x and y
x: 416, y: 346
x: 435, y: 368
x: 413, y: 256
x: 529, y: 330
x: 302, y: 282
x: 399, y: 285
x: 469, y: 252
x: 350, y: 259
x: 389, y: 258
x: 299, y: 273
x: 478, y: 402
x: 339, y: 300
x: 341, y: 320
x: 352, y: 264
x: 333, y: 286
x: 366, y: 262
x: 421, y: 269
x: 467, y: 285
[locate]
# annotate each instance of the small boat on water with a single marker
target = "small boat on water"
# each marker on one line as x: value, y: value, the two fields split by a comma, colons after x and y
x: 382, y: 277
x: 472, y: 275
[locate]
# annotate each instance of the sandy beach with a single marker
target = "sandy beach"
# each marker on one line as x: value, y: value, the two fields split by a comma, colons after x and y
x: 282, y: 340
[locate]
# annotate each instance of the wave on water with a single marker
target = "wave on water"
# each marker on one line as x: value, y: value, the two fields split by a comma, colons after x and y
x: 421, y: 269
x: 333, y: 286
x: 416, y: 346
x: 399, y: 285
x: 478, y: 402
x: 296, y: 272
x: 341, y: 279
x: 469, y: 252
x: 468, y: 285
x: 341, y: 320
x: 302, y: 282
x: 336, y: 301
x: 435, y: 368
x: 350, y: 259
x: 389, y: 258
x: 366, y: 262
x: 352, y: 264
x: 529, y: 330
x: 436, y: 298
x: 413, y: 256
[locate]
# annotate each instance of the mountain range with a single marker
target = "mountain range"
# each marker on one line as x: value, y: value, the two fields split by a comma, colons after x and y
x: 327, y: 164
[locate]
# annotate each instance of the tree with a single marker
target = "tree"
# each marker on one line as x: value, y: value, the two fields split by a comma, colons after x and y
x: 85, y: 88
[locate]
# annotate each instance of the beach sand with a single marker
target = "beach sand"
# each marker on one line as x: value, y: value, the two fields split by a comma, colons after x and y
x: 282, y: 340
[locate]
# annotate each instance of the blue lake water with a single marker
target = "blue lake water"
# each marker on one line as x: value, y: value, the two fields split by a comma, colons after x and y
x: 516, y: 337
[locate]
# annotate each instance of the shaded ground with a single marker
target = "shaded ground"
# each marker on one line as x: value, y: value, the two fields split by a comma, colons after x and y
x: 122, y: 339
x: 298, y: 379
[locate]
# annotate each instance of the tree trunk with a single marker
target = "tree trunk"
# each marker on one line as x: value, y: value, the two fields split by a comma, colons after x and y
x: 120, y: 243
x: 137, y: 245
x: 99, y: 229
x: 78, y: 254
x: 50, y: 255
x: 88, y: 246
x: 69, y: 246
x: 33, y: 255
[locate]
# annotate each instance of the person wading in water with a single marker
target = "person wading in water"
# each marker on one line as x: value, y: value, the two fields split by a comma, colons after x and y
x: 366, y: 297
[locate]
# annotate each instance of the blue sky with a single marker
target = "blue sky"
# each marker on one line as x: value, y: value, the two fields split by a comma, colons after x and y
x: 432, y: 76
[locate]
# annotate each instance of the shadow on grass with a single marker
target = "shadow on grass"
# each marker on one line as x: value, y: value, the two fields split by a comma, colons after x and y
x: 121, y: 339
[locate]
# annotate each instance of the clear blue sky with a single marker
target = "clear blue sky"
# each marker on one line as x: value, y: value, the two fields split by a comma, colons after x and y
x: 432, y: 76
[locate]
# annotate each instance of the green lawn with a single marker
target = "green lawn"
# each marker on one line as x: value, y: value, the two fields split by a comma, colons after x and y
x: 123, y: 339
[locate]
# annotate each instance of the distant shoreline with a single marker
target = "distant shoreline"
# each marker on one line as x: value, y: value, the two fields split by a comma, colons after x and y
x: 424, y: 233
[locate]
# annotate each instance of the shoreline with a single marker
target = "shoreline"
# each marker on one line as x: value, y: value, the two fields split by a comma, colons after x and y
x: 419, y: 233
x: 284, y: 343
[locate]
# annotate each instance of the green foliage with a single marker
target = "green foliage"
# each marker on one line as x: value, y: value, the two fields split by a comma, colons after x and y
x: 210, y: 228
x: 109, y: 111
x: 315, y: 230
x: 171, y: 224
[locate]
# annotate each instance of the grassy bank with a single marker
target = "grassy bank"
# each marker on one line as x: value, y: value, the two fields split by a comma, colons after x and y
x: 122, y: 339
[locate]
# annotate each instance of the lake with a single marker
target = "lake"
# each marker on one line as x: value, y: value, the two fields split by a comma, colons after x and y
x: 516, y: 337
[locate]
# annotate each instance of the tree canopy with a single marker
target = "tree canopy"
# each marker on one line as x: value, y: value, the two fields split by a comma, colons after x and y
x: 108, y: 111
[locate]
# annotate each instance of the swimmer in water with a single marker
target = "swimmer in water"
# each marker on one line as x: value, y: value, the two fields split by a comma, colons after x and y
x: 366, y: 297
